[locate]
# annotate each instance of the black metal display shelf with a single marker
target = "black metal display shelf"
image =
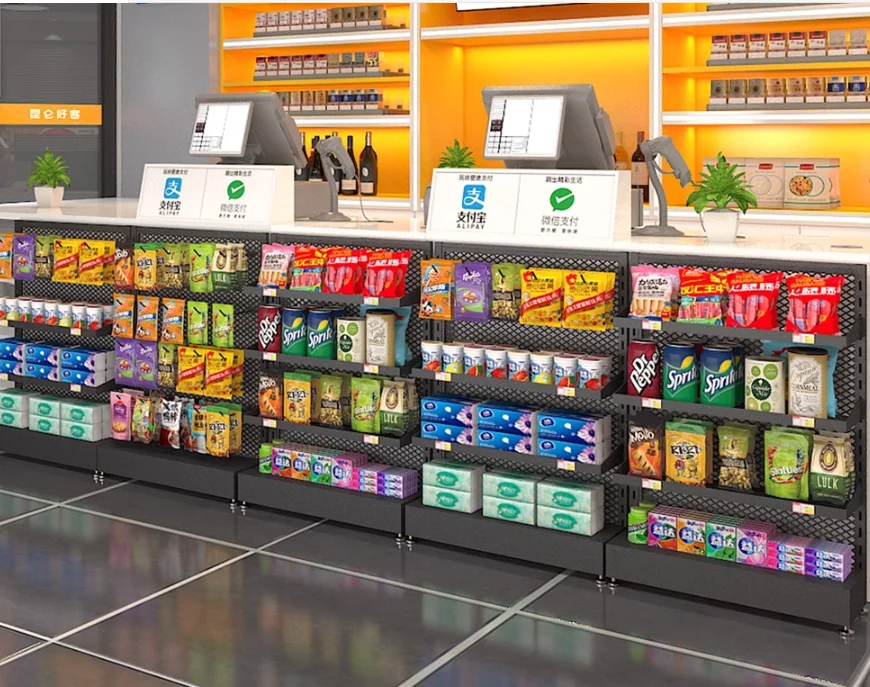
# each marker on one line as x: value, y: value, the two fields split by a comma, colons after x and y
x: 50, y: 448
x: 410, y: 298
x: 615, y: 458
x: 839, y: 424
x: 752, y: 498
x: 568, y: 392
x: 843, y: 341
x: 330, y: 364
x: 824, y: 601
x: 324, y: 431
x: 84, y: 332
x: 323, y: 501
x: 168, y: 467
x: 61, y: 386
x: 511, y: 539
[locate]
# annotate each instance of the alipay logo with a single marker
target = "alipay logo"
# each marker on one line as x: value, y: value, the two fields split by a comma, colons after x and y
x: 473, y: 197
x: 172, y: 188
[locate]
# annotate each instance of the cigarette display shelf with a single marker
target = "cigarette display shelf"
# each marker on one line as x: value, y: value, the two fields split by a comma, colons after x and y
x: 323, y: 501
x: 828, y: 61
x: 324, y: 431
x: 800, y: 596
x: 615, y: 458
x: 176, y: 468
x: 860, y: 114
x: 50, y: 448
x: 313, y: 79
x: 838, y: 424
x: 320, y: 33
x: 59, y: 386
x: 750, y: 108
x: 305, y: 361
x: 514, y: 540
x: 563, y: 391
x: 856, y: 333
x: 752, y: 498
x: 410, y: 298
x: 83, y: 332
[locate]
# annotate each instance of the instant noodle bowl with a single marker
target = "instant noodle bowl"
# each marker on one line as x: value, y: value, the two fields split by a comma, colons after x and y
x: 519, y: 365
x: 25, y: 310
x: 496, y: 363
x: 431, y: 352
x: 37, y: 310
x: 80, y: 314
x: 541, y: 368
x: 93, y: 316
x: 452, y: 358
x: 108, y: 311
x: 473, y: 361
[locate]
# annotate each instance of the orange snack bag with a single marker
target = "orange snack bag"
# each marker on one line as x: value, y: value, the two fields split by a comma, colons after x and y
x: 146, y: 318
x: 5, y: 256
x: 436, y: 288
x: 172, y: 313
x: 122, y: 325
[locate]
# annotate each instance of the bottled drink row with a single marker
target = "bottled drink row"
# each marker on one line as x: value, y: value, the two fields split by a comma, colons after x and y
x: 366, y: 180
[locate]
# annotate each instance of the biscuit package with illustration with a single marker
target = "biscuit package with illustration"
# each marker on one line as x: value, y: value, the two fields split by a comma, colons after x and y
x: 689, y: 451
x: 124, y: 272
x: 145, y: 265
x: 146, y: 317
x: 172, y: 320
x: 473, y: 291
x: 646, y: 435
x: 297, y: 397
x: 270, y: 396
x: 218, y: 438
x: 124, y: 305
x: 66, y: 260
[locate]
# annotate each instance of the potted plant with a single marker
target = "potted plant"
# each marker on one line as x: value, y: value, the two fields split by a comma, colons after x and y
x: 454, y: 157
x: 49, y: 171
x: 720, y: 187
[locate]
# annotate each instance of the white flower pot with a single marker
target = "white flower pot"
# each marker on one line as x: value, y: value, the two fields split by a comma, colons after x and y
x: 720, y: 225
x: 48, y: 197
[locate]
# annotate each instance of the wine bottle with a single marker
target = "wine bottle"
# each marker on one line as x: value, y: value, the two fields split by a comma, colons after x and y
x: 350, y: 187
x: 639, y: 173
x: 315, y: 168
x: 339, y: 174
x: 620, y: 154
x: 368, y: 169
x: 303, y: 172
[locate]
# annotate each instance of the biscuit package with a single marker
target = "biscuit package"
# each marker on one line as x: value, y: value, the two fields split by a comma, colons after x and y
x: 507, y: 293
x: 145, y: 264
x: 297, y: 397
x: 146, y: 317
x: 473, y: 291
x: 646, y: 435
x: 6, y: 256
x: 588, y: 300
x: 92, y: 259
x: 124, y: 305
x: 541, y: 297
x: 752, y: 299
x: 238, y: 373
x: 689, y: 451
x: 275, y: 265
x: 436, y: 289
x: 218, y: 438
x: 125, y: 360
x: 270, y: 396
x: 145, y: 364
x: 172, y: 320
x: 813, y: 304
x: 655, y: 292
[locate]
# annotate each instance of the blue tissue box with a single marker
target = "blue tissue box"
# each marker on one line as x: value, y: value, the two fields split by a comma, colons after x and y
x: 505, y: 441
x: 506, y: 417
x: 441, y: 431
x: 456, y: 410
x: 567, y: 450
x: 584, y: 428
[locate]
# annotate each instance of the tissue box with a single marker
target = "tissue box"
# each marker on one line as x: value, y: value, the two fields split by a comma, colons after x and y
x: 85, y: 377
x: 511, y: 486
x: 14, y: 418
x: 89, y: 412
x: 456, y: 410
x: 504, y: 441
x: 462, y: 501
x: 570, y: 521
x: 87, y: 359
x: 457, y: 476
x: 46, y: 425
x: 441, y: 431
x: 507, y: 509
x: 45, y: 406
x: 568, y: 450
x: 42, y: 354
x: 11, y: 367
x: 13, y: 348
x: 82, y: 430
x: 16, y: 399
x: 586, y: 428
x: 568, y: 495
x: 506, y: 417
x: 40, y: 371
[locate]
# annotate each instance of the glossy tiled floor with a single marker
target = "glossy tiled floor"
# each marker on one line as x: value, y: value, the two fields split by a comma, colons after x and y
x: 125, y: 584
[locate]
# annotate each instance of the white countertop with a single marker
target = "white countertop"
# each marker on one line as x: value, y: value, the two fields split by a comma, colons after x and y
x: 402, y: 226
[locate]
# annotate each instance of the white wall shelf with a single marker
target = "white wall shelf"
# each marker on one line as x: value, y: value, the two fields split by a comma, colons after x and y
x: 750, y: 117
x: 361, y: 120
x: 773, y: 14
x: 265, y: 42
x: 511, y: 31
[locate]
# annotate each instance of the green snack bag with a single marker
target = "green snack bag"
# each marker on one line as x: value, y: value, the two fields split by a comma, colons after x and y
x: 201, y: 257
x: 223, y: 273
x: 393, y: 413
x: 787, y: 464
x: 265, y: 459
x: 222, y: 323
x: 506, y: 291
x: 365, y: 400
x: 197, y: 323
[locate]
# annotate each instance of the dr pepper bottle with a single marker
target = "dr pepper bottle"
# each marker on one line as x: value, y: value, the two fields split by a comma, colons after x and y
x: 269, y: 329
x: 644, y: 365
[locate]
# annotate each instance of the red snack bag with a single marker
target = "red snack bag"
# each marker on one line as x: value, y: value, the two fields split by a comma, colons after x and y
x: 752, y: 299
x: 344, y: 270
x: 701, y: 295
x: 308, y: 269
x: 813, y: 303
x: 385, y: 273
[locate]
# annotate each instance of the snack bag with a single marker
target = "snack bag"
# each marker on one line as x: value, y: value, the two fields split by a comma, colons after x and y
x: 172, y: 316
x: 92, y: 263
x: 146, y: 317
x: 123, y: 268
x: 23, y: 256
x: 142, y: 428
x: 217, y: 431
x: 275, y: 265
x: 66, y: 260
x: 330, y: 400
x: 234, y: 410
x: 813, y: 304
x: 473, y: 291
x: 315, y: 376
x: 787, y: 464
x: 43, y: 256
x: 344, y: 400
x: 201, y: 257
x: 588, y: 300
x: 752, y: 299
x: 219, y: 374
x: 365, y: 402
x: 124, y: 304
x: 646, y: 436
x: 436, y: 288
x: 270, y: 396
x: 145, y: 259
x: 832, y: 474
x: 238, y: 373
x: 197, y: 322
x: 507, y: 292
x: 308, y: 264
x: 394, y: 414
x: 125, y: 360
x: 170, y: 423
x: 6, y: 256
x: 736, y: 462
x: 222, y: 325
x: 297, y: 397
x: 689, y: 455
x: 385, y: 273
x: 654, y: 292
x: 198, y: 419
x: 121, y: 407
x: 191, y: 370
x: 223, y: 272
x: 701, y: 293
x: 173, y: 259
x: 146, y: 363
x: 108, y: 262
x: 541, y: 297
x: 241, y: 278
x: 344, y: 270
x: 167, y: 365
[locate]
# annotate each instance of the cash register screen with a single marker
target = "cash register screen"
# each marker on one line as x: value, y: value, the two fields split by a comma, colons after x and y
x: 525, y: 127
x: 221, y: 129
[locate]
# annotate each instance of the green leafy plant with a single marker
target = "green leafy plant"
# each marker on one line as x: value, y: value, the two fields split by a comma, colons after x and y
x: 456, y: 156
x: 721, y: 185
x: 49, y: 170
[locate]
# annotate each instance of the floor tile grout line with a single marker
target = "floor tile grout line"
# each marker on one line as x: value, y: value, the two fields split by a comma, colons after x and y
x: 482, y: 632
x: 21, y: 630
x: 16, y: 494
x: 385, y: 580
x: 124, y: 664
x: 807, y: 679
x: 22, y: 516
x: 102, y: 490
x: 24, y: 652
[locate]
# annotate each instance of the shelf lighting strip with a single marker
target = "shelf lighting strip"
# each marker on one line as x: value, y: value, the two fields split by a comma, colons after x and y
x: 380, y: 36
x: 536, y: 27
x: 735, y: 117
x: 801, y: 13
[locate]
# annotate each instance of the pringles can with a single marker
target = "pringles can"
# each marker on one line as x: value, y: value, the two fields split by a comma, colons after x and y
x: 719, y: 372
x: 269, y: 329
x: 321, y: 334
x: 644, y: 365
x: 294, y: 335
x: 680, y: 373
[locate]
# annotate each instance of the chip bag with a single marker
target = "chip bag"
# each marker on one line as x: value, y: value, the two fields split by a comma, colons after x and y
x: 145, y: 259
x: 6, y: 256
x: 275, y: 265
x: 308, y: 265
x: 330, y: 400
x: 92, y: 263
x: 689, y: 452
x: 23, y: 256
x: 167, y: 365
x: 385, y: 273
x: 146, y: 317
x: 198, y: 418
x: 364, y: 404
x: 234, y: 410
x: 124, y: 272
x: 436, y: 288
x: 344, y: 270
x: 172, y: 316
x: 588, y: 300
x: 542, y: 297
x: 655, y: 293
x: 297, y: 397
x: 172, y: 275
x: 507, y: 294
x: 219, y: 374
x: 223, y: 272
x: 787, y: 464
x: 43, y: 256
x: 201, y: 258
x: 66, y: 260
x: 238, y: 373
x: 142, y: 429
x: 217, y: 431
x: 197, y: 322
x: 124, y: 305
x: 222, y: 325
x: 270, y: 396
x: 170, y: 423
x: 191, y: 370
x: 752, y: 299
x: 813, y: 304
x: 736, y: 460
x: 701, y: 295
x: 646, y: 445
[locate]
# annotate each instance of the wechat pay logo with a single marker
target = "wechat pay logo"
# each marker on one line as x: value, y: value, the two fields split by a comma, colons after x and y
x: 236, y: 189
x: 562, y: 199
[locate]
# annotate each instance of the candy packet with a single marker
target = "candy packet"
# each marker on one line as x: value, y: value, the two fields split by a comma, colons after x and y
x: 752, y: 299
x: 170, y: 423
x: 23, y: 256
x: 507, y: 292
x: 385, y: 273
x: 146, y: 363
x: 124, y: 304
x: 542, y: 294
x: 473, y: 291
x: 436, y: 288
x: 365, y: 403
x: 275, y: 265
x: 308, y: 264
x: 201, y: 258
x: 124, y: 272
x: 146, y: 317
x: 588, y: 300
x: 222, y: 325
x: 654, y: 293
x: 787, y: 464
x: 145, y: 259
x: 125, y: 360
x: 344, y: 270
x: 813, y: 304
x: 701, y: 295
x: 197, y: 322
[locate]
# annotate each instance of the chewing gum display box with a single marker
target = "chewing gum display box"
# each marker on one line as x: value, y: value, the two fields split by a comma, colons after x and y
x: 508, y: 509
x: 586, y: 524
x: 456, y: 476
x: 569, y: 495
x: 449, y: 499
x: 46, y: 425
x: 343, y: 466
x: 16, y: 400
x: 511, y: 486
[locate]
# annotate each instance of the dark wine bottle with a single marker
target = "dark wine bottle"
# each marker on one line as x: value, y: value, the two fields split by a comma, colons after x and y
x: 302, y: 172
x: 339, y: 175
x: 350, y: 187
x: 368, y: 169
x: 315, y: 167
x: 639, y: 173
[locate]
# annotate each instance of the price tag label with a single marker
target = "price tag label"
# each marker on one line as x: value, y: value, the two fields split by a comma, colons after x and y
x: 443, y: 376
x: 443, y: 446
x: 568, y: 465
x: 371, y: 369
x: 651, y: 326
x: 371, y: 300
x: 270, y: 356
x: 75, y: 331
x: 803, y: 508
x: 653, y: 484
x: 568, y: 391
x: 800, y: 421
x: 371, y: 439
x: 270, y: 292
x: 804, y: 338
x: 76, y: 388
x: 4, y: 377
x: 272, y: 424
x: 655, y: 403
x: 4, y: 323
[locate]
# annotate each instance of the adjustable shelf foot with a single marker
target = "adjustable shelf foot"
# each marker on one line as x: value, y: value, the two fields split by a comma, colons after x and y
x: 601, y: 582
x: 847, y: 633
x: 613, y: 584
x: 232, y: 505
x: 244, y: 508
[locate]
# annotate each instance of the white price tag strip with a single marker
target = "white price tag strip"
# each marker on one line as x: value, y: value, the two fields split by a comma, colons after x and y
x: 270, y: 423
x: 371, y: 439
x: 371, y: 369
x: 800, y: 421
x: 4, y: 323
x: 75, y: 331
x: 4, y: 377
x: 443, y: 446
x: 270, y: 356
x: 442, y: 376
x: 803, y: 338
x: 803, y: 508
x: 655, y: 403
x: 568, y: 391
x: 77, y: 388
x: 568, y: 465
x: 653, y: 484
x: 651, y: 326
x: 370, y: 300
x: 270, y: 292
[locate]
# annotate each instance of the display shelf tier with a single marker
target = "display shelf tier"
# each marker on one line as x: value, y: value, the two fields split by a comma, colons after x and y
x: 381, y: 119
x: 50, y: 448
x: 83, y: 332
x: 859, y: 114
x: 305, y: 361
x: 319, y: 297
x: 384, y: 78
x: 615, y: 458
x: 318, y: 38
x: 509, y: 384
x: 558, y: 30
x: 201, y: 474
x: 323, y: 501
x: 799, y: 596
x: 513, y: 540
x: 746, y: 18
x: 324, y: 431
x: 831, y: 64
x: 59, y: 386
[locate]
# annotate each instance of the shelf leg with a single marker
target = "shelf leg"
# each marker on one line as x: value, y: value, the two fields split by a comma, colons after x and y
x: 102, y: 477
x: 96, y: 476
x: 400, y: 540
x: 865, y: 610
x: 847, y: 633
x: 244, y: 507
x: 601, y: 582
x: 613, y: 584
x: 232, y: 505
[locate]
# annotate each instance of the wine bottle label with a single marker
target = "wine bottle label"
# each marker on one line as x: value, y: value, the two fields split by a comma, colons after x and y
x: 367, y: 188
x: 639, y: 174
x: 348, y: 184
x: 365, y: 171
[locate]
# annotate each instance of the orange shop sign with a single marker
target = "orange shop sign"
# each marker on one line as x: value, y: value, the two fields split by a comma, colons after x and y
x: 47, y: 114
